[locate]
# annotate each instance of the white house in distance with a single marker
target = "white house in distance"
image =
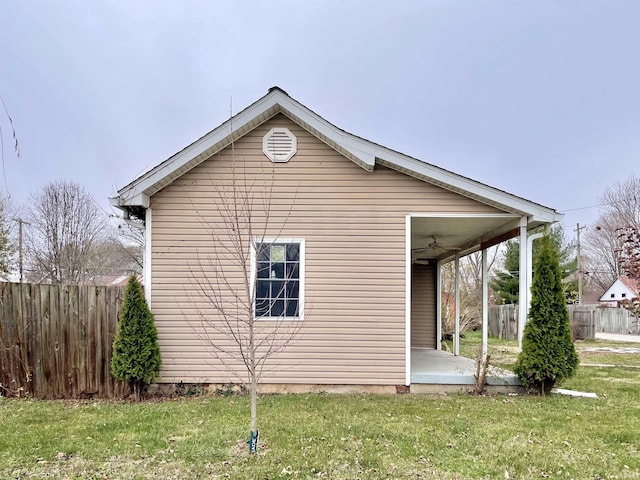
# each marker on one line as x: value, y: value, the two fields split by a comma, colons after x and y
x: 622, y: 289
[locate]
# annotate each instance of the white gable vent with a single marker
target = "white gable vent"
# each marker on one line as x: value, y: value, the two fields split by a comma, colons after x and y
x: 279, y: 145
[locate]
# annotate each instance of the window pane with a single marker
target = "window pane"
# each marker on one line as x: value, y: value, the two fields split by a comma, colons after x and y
x: 277, y: 253
x: 277, y: 309
x: 263, y: 270
x: 277, y: 289
x: 277, y: 270
x: 262, y: 252
x: 292, y: 289
x: 292, y: 308
x: 293, y: 252
x: 293, y: 271
x: 262, y: 290
x: 262, y: 307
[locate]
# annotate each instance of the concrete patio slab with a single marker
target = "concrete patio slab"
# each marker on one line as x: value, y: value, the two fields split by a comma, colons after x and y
x: 429, y: 366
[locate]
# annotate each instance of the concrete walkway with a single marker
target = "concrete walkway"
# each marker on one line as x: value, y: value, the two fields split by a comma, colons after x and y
x: 617, y: 337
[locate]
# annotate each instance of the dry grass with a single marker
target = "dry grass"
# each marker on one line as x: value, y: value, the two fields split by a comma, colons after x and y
x: 336, y: 437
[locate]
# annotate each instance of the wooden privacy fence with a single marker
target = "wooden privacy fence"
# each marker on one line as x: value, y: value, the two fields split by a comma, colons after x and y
x: 607, y: 319
x: 503, y: 322
x: 56, y: 340
x: 586, y: 320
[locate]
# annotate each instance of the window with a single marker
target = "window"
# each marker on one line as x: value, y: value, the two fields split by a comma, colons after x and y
x: 613, y: 295
x: 279, y: 279
x: 624, y: 295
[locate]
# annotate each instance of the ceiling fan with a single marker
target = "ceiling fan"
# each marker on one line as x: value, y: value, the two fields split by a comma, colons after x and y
x: 436, y: 246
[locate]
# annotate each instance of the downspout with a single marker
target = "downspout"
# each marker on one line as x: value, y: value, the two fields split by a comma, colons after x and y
x: 523, y: 286
x: 146, y: 264
x: 530, y: 240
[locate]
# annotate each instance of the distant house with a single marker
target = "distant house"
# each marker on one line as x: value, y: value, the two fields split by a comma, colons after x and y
x: 364, y: 228
x: 623, y: 289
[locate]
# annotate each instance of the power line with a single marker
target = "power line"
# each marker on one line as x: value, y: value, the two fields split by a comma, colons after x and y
x: 609, y: 204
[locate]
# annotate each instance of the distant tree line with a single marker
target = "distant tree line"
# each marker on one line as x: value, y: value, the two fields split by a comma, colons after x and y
x: 62, y: 236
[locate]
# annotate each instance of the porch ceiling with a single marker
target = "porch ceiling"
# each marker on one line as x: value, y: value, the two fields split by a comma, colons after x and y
x: 456, y: 233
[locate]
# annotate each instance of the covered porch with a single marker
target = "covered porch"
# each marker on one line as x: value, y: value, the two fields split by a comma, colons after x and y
x: 433, y: 241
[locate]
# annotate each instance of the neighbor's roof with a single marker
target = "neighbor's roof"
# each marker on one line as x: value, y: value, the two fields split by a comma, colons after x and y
x: 631, y: 284
x: 363, y: 152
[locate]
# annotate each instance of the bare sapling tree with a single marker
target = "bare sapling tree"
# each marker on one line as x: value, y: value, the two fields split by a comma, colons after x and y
x: 249, y: 281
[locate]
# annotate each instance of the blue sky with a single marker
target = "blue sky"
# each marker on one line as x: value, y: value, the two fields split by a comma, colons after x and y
x: 539, y: 98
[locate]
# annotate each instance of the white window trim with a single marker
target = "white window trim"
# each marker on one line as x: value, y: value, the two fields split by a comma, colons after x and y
x: 301, y: 279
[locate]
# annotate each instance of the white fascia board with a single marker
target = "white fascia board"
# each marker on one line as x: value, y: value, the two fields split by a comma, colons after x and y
x: 145, y: 183
x: 366, y: 153
x: 464, y: 185
x: 274, y: 101
x: 359, y: 148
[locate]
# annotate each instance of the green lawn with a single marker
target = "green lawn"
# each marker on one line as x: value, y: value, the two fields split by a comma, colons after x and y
x: 335, y: 437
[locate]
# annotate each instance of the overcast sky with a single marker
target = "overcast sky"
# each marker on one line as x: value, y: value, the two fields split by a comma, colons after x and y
x: 539, y: 98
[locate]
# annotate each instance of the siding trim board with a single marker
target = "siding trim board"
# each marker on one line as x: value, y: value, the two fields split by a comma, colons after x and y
x: 407, y: 296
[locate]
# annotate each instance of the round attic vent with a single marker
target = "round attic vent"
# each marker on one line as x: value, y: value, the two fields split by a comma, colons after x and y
x: 279, y: 145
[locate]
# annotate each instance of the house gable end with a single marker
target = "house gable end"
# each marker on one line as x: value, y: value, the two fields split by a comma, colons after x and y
x: 362, y: 152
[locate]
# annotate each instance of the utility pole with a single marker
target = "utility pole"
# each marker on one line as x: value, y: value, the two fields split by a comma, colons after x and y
x: 20, y: 223
x: 578, y: 230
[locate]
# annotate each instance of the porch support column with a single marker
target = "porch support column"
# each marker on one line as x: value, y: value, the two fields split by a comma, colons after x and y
x: 485, y: 304
x: 456, y: 333
x: 438, y: 305
x: 522, y: 277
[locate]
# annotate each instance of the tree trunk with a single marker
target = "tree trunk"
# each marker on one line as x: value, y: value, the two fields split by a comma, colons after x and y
x: 253, y: 393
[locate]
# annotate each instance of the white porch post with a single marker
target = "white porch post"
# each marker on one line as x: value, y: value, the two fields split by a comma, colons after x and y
x: 524, y: 287
x: 407, y: 300
x: 438, y: 306
x: 456, y: 333
x: 485, y: 304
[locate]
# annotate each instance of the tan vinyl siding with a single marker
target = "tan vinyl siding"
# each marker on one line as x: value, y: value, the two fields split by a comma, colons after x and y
x: 423, y: 306
x: 353, y: 223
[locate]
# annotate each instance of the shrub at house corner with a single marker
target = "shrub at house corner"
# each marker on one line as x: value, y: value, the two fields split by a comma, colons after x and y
x: 136, y: 355
x: 548, y: 354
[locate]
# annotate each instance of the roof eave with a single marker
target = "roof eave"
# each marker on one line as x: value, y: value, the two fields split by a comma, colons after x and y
x: 364, y: 153
x: 276, y: 101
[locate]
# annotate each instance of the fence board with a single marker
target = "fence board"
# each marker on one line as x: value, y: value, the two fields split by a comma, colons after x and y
x: 502, y: 322
x: 56, y: 340
x: 585, y: 321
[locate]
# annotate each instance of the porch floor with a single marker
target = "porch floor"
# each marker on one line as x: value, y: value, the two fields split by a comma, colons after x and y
x: 438, y: 367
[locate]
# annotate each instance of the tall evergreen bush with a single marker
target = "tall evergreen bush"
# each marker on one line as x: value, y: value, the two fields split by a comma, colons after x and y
x: 136, y: 355
x: 548, y: 354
